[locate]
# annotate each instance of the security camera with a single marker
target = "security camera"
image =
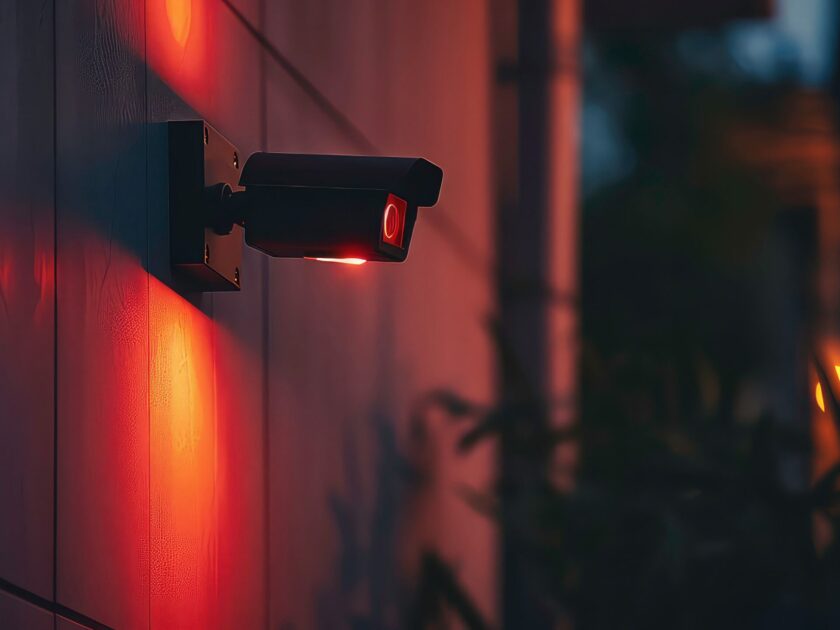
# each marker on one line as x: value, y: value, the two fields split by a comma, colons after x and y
x: 335, y: 206
x: 325, y: 207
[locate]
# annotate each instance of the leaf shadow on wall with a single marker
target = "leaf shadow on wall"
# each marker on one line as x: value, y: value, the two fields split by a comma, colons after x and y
x: 369, y: 590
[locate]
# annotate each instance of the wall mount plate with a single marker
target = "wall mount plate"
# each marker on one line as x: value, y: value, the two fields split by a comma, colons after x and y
x: 200, y: 157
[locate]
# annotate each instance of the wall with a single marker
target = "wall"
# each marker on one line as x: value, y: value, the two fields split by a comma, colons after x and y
x: 233, y: 460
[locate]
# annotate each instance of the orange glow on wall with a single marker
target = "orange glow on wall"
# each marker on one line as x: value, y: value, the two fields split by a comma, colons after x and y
x: 179, y: 13
x: 183, y: 501
x: 180, y: 47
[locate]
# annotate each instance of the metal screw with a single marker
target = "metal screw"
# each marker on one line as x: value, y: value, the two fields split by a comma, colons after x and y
x: 235, y: 160
x: 206, y: 136
x: 236, y: 275
x: 206, y: 254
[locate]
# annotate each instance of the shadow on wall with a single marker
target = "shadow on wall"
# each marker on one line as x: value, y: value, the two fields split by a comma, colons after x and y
x: 368, y: 591
x: 376, y: 585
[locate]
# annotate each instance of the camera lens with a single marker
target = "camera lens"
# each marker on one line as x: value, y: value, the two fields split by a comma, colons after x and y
x: 390, y: 222
x: 393, y: 221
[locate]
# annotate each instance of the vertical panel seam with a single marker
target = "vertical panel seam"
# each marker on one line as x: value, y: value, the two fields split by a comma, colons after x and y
x: 55, y: 306
x: 148, y: 333
x: 214, y: 341
x: 265, y: 354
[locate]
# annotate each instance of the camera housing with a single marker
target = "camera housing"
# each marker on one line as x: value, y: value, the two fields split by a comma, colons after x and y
x: 327, y: 207
x: 336, y: 207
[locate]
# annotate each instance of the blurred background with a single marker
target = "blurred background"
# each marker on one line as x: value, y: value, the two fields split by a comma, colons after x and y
x: 695, y: 484
x: 602, y: 392
x: 666, y: 323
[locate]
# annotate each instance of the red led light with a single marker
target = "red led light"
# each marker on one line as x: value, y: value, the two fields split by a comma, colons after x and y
x: 343, y: 261
x: 393, y: 221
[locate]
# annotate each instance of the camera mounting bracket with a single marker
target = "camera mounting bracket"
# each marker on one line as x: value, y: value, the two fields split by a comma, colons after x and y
x: 201, y: 162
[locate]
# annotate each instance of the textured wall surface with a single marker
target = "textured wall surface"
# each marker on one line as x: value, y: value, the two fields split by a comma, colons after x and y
x: 238, y: 460
x: 27, y: 297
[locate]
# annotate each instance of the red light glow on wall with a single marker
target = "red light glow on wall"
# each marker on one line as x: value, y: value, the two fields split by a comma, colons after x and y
x: 180, y: 47
x: 183, y: 449
x: 179, y: 13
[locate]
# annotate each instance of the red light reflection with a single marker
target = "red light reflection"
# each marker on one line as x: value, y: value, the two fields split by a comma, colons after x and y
x: 182, y: 461
x: 179, y: 13
x: 180, y: 47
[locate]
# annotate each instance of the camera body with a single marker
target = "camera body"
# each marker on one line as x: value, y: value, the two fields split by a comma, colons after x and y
x: 340, y: 208
x: 335, y: 207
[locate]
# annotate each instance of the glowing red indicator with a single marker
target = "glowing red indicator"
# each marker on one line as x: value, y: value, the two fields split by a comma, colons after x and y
x: 343, y: 261
x: 393, y: 221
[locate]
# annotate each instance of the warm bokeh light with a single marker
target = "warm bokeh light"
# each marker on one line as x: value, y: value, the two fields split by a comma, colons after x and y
x: 818, y: 393
x: 179, y: 13
x: 826, y: 440
x: 343, y: 261
x: 819, y: 397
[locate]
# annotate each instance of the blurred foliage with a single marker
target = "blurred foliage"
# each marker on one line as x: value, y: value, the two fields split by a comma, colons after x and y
x: 684, y: 512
